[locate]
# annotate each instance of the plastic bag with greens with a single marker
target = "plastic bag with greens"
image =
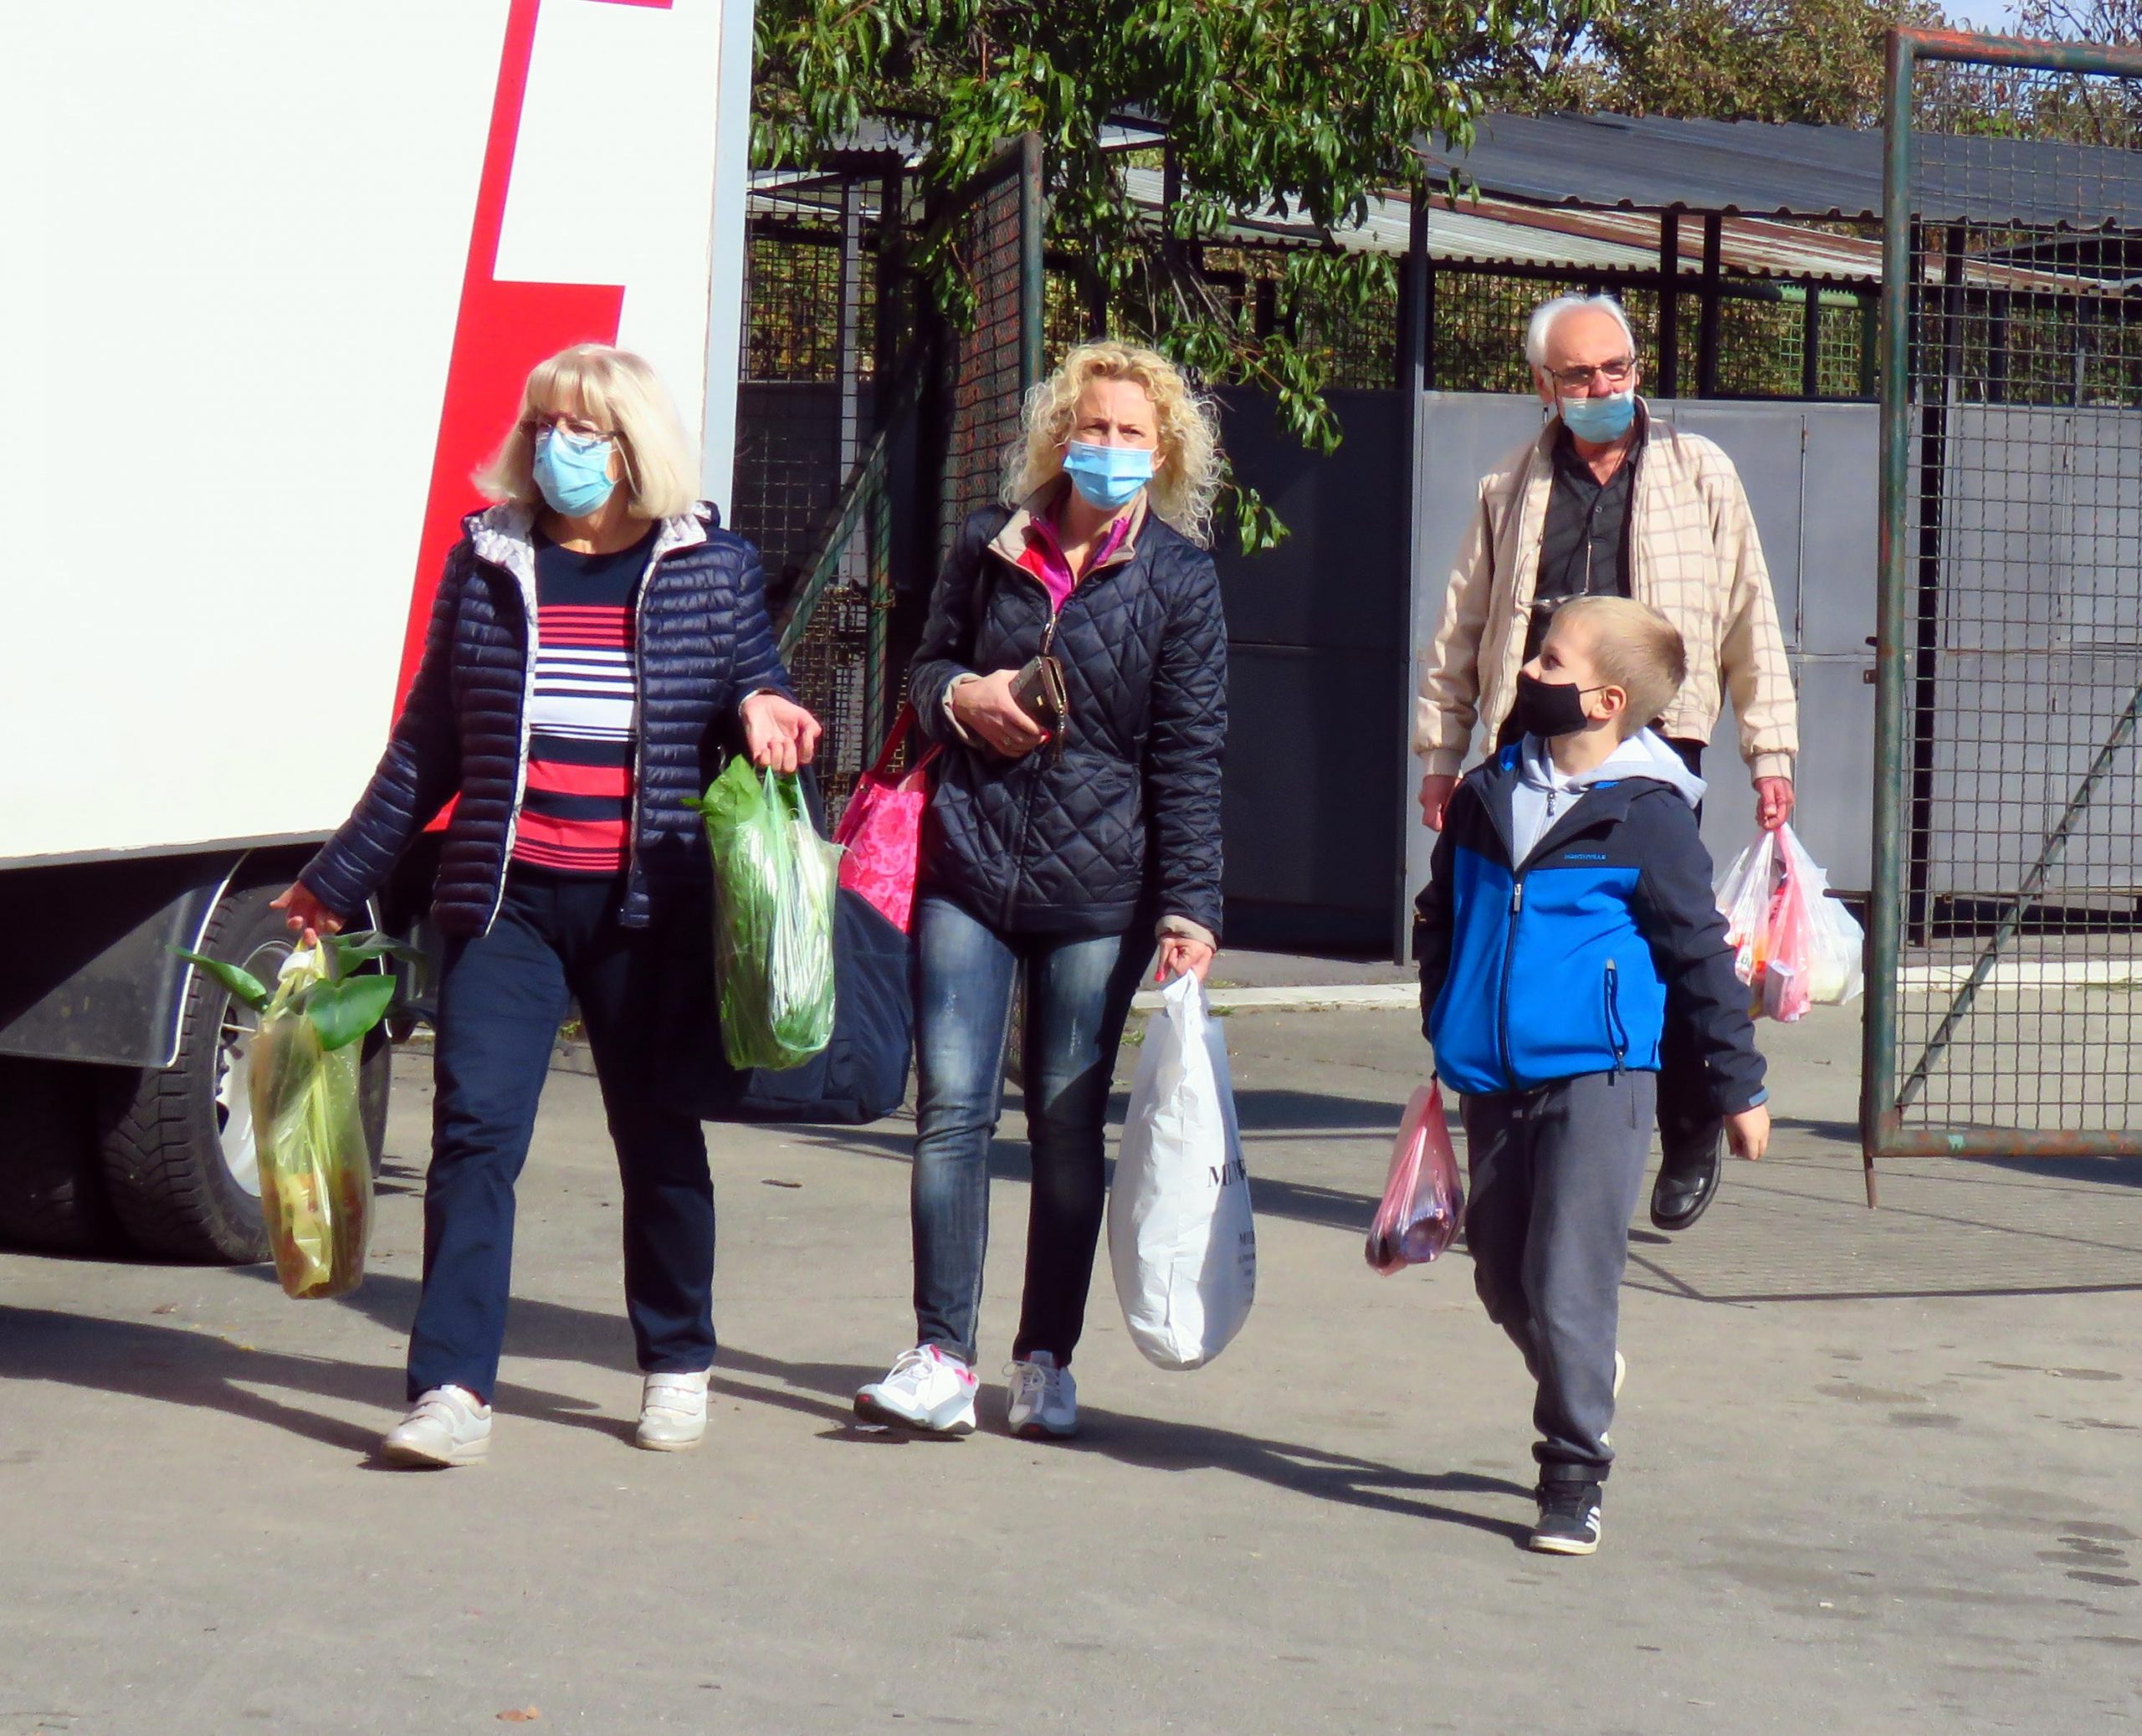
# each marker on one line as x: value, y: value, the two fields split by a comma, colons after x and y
x: 315, y: 1163
x: 774, y: 884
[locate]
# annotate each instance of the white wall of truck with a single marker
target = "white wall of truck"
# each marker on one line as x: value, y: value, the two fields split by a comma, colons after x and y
x: 273, y: 275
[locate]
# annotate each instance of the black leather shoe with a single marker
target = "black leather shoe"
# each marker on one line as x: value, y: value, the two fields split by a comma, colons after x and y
x: 1687, y: 1180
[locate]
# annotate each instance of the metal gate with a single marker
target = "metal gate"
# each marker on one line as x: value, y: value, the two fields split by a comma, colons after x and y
x: 2005, y: 967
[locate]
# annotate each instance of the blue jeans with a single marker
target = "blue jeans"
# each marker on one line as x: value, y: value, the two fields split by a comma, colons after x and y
x: 1078, y: 991
x: 502, y: 996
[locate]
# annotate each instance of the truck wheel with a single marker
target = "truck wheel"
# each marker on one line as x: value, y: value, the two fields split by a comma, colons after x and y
x: 50, y: 1197
x: 180, y: 1165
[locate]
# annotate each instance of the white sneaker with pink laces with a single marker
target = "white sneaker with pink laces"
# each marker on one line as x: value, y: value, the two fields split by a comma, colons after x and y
x: 924, y: 1390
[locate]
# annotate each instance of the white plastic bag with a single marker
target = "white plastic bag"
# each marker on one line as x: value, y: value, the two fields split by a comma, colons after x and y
x: 1180, y: 1232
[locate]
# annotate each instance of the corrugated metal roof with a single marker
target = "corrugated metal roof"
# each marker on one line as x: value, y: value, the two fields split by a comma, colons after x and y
x: 1501, y: 232
x: 1611, y: 162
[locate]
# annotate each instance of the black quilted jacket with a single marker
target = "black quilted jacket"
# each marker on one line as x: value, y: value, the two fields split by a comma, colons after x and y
x: 1125, y: 825
x: 704, y: 646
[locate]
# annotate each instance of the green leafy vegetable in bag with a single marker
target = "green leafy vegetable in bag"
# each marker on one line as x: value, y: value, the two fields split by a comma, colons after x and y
x: 316, y: 1166
x: 774, y: 884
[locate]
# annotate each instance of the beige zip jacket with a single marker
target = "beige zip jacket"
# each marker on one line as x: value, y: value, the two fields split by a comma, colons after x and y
x: 1693, y: 555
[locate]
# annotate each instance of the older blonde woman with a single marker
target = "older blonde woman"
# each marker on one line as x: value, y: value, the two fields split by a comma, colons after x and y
x: 596, y: 637
x: 1063, y: 841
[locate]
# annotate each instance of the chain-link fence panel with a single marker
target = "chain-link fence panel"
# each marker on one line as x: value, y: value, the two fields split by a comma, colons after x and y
x: 2005, y: 1003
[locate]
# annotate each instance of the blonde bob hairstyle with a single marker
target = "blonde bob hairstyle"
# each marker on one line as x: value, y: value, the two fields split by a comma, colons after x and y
x: 1186, y: 467
x: 612, y: 389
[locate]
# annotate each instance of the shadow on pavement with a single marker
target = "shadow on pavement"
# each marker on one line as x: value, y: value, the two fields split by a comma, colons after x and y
x: 1153, y: 1445
x: 200, y: 1369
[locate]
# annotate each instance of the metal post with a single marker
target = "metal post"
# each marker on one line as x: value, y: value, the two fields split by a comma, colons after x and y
x: 1870, y: 344
x: 1878, y: 1058
x: 1417, y: 334
x: 1996, y: 347
x: 1668, y: 372
x: 1811, y: 343
x: 1031, y: 214
x: 1707, y: 325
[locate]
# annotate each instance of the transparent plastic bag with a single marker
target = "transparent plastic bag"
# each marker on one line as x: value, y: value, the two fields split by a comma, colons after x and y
x: 1833, y: 946
x: 316, y: 1165
x: 775, y: 880
x: 1793, y: 943
x: 1423, y: 1199
x: 1745, y: 893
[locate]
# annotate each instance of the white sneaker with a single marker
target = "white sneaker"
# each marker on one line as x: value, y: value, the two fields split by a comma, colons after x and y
x: 924, y: 1390
x: 1621, y: 1372
x: 446, y: 1427
x: 672, y: 1412
x: 1044, y: 1400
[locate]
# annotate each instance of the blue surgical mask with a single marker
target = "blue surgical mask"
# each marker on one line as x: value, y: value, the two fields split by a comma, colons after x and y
x: 573, y: 471
x: 1600, y: 419
x: 1107, y: 476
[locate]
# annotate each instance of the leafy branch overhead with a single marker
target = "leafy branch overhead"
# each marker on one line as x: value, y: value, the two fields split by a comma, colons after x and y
x: 1301, y: 106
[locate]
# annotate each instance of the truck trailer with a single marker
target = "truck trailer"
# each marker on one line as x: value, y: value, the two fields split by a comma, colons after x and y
x: 276, y: 274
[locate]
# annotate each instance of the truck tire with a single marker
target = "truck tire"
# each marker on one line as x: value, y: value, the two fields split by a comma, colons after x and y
x: 51, y: 1199
x: 179, y: 1166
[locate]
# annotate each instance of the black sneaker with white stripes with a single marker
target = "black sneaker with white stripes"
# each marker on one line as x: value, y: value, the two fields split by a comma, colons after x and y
x: 1569, y: 1519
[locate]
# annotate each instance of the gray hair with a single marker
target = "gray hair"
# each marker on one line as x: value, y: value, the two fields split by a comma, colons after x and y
x: 1544, y: 315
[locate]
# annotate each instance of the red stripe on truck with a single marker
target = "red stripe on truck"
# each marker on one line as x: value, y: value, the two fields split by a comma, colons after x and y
x: 500, y: 332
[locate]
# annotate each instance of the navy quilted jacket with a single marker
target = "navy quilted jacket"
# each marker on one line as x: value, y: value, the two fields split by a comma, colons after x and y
x: 704, y: 645
x: 1124, y: 825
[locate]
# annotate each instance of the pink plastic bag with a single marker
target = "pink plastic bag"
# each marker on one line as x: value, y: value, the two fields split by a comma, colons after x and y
x: 881, y: 829
x: 1423, y: 1200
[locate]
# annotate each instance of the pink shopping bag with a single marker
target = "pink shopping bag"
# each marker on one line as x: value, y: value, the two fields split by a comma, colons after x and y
x: 1423, y: 1200
x: 881, y: 829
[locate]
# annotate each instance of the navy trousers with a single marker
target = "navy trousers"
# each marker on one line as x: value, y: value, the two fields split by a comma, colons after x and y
x: 502, y: 997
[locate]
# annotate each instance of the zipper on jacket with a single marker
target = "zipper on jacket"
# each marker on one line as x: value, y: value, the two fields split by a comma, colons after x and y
x: 528, y: 609
x: 1616, y: 1037
x: 1027, y: 807
x: 639, y: 721
x: 1033, y: 781
x: 1509, y: 962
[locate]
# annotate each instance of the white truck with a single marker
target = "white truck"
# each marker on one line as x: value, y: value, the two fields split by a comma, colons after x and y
x: 273, y: 274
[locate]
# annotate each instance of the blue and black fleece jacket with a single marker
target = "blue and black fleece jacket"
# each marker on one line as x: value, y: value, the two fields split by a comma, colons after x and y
x: 1574, y: 958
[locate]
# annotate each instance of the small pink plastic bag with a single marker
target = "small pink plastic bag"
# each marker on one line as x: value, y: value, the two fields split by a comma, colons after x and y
x: 1423, y: 1200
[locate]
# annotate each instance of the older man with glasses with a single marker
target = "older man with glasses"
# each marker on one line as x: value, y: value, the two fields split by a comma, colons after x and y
x: 1609, y: 501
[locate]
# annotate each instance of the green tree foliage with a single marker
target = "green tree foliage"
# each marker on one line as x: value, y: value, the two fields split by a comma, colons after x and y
x: 1818, y: 61
x: 1302, y: 104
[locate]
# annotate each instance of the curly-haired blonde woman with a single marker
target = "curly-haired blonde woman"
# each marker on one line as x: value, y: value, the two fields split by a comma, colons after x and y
x: 1059, y: 847
x: 596, y: 638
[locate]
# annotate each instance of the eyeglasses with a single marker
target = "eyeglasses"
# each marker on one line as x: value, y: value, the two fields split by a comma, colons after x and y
x: 572, y: 426
x: 1614, y: 373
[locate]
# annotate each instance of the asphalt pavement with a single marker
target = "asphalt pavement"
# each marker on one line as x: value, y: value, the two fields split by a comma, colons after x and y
x: 1878, y: 1471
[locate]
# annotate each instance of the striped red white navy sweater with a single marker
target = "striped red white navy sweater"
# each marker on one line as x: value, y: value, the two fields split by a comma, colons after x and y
x: 582, y: 711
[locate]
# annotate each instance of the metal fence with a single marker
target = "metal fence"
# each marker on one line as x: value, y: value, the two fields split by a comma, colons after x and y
x: 863, y: 400
x: 993, y: 353
x: 2006, y: 975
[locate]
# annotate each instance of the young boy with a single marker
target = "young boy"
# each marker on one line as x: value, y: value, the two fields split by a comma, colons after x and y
x: 1569, y: 918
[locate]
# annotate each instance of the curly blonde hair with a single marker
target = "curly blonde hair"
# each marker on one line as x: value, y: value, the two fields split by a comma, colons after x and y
x: 1186, y: 473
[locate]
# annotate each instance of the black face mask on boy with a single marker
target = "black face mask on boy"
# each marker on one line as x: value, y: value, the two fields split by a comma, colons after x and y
x: 1548, y: 709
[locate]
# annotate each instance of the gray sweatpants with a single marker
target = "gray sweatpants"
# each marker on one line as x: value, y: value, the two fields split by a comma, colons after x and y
x: 1555, y: 1174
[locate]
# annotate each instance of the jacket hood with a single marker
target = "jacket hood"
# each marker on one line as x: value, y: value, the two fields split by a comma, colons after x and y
x: 1644, y: 754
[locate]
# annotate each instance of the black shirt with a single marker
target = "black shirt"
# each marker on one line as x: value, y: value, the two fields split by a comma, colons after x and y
x: 1584, y: 548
